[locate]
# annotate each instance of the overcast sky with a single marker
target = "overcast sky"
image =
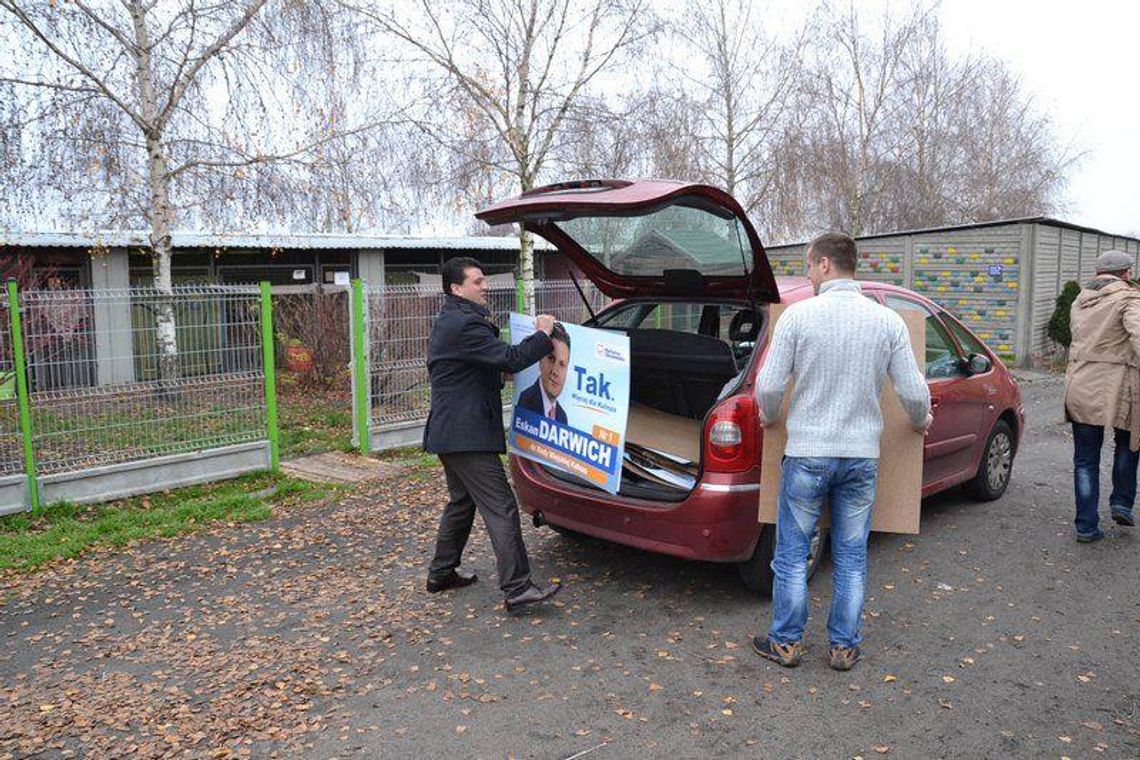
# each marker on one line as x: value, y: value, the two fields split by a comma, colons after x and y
x: 1080, y: 61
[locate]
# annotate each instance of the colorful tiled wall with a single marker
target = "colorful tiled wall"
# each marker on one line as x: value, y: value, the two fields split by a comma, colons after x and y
x: 976, y: 274
x: 882, y: 264
x: 978, y: 283
x: 787, y: 261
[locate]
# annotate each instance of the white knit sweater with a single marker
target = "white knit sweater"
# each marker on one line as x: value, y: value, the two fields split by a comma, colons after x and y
x: 839, y: 347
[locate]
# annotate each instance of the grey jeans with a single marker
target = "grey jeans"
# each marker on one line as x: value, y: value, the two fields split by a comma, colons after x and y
x: 476, y: 480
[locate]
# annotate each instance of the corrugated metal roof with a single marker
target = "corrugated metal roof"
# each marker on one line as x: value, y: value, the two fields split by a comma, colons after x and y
x: 1045, y: 220
x: 136, y: 238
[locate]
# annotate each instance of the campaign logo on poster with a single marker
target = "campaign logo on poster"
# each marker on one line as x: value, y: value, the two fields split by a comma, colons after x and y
x: 570, y: 408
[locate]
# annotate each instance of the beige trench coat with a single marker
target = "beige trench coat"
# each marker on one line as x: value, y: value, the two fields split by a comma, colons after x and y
x: 1102, y: 382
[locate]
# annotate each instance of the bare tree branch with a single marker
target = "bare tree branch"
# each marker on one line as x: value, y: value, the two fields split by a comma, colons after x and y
x: 70, y: 60
x: 178, y: 87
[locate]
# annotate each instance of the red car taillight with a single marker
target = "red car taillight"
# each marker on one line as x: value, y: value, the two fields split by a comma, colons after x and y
x: 731, y: 435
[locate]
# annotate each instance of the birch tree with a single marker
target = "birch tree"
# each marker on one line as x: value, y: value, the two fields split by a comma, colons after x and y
x: 892, y: 131
x: 744, y: 81
x: 169, y: 107
x: 519, y: 67
x: 849, y: 96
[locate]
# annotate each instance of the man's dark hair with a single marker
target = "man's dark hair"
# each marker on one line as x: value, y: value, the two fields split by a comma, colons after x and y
x: 559, y: 333
x: 455, y: 271
x: 837, y: 248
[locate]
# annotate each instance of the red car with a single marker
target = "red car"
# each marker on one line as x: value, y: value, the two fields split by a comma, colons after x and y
x: 694, y: 283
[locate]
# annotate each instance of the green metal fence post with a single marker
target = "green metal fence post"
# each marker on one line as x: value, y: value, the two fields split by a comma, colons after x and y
x: 360, y: 368
x: 520, y: 298
x: 23, y: 400
x: 270, y: 376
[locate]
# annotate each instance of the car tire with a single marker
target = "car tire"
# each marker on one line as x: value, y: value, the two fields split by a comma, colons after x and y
x: 992, y: 477
x: 756, y: 571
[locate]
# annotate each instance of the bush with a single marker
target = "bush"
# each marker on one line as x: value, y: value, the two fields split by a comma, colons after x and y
x: 317, y: 320
x: 1058, y: 327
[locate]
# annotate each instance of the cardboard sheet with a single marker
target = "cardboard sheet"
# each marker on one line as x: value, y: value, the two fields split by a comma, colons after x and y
x: 660, y: 475
x: 652, y: 429
x: 899, y: 495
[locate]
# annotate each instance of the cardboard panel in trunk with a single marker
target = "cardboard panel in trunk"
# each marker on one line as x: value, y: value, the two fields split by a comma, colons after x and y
x: 899, y: 494
x: 653, y: 429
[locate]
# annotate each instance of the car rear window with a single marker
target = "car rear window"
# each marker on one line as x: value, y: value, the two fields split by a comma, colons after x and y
x: 712, y: 319
x: 675, y: 237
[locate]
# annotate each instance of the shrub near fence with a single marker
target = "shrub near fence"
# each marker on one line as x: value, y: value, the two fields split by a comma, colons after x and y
x: 106, y: 422
x: 316, y: 322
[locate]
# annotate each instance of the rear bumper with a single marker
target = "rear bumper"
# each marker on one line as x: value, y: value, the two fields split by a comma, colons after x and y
x: 718, y: 522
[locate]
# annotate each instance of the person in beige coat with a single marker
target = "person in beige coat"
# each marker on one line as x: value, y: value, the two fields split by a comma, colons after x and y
x: 1102, y: 389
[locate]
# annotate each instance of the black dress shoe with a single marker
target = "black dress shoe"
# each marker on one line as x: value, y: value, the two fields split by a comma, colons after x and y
x: 454, y: 579
x: 532, y: 594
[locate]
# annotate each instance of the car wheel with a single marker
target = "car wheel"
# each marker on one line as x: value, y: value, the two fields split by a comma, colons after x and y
x: 756, y: 571
x: 992, y: 478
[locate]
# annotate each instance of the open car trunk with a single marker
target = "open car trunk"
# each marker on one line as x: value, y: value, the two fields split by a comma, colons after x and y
x: 657, y: 242
x: 676, y: 379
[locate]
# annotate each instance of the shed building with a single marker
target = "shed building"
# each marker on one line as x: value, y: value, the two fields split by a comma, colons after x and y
x: 1001, y: 278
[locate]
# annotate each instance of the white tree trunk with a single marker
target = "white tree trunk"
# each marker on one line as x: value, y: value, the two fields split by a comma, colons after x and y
x: 159, y: 214
x: 526, y: 270
x: 160, y: 245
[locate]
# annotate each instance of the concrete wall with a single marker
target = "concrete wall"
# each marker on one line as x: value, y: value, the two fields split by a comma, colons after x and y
x: 952, y: 268
x: 131, y: 478
x: 1001, y: 281
x: 1064, y: 255
x: 370, y: 266
x: 114, y: 346
x: 975, y: 274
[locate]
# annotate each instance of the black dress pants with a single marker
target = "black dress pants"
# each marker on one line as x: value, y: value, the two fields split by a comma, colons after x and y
x: 476, y: 480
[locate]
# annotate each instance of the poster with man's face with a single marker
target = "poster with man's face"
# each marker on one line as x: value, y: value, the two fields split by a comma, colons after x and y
x: 570, y: 408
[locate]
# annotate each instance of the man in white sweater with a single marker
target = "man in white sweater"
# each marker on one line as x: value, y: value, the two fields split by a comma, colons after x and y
x: 839, y: 347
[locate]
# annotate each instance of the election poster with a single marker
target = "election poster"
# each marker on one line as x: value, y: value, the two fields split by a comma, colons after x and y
x: 570, y: 408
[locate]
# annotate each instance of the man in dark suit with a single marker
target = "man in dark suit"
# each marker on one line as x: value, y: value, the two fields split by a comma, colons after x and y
x: 466, y: 362
x: 542, y: 397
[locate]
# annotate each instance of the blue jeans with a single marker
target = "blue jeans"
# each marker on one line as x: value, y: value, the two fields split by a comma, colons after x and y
x: 849, y: 486
x: 1087, y: 441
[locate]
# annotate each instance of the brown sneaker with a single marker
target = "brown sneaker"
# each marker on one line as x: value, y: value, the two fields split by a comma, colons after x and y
x: 843, y: 658
x: 787, y: 655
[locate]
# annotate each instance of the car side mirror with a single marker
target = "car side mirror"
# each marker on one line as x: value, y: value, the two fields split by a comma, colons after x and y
x: 978, y: 364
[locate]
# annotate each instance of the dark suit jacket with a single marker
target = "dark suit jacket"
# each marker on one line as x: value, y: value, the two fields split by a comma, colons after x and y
x: 531, y: 399
x: 466, y: 360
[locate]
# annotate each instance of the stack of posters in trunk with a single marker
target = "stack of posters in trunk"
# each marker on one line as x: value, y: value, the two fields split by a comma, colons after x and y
x: 662, y: 448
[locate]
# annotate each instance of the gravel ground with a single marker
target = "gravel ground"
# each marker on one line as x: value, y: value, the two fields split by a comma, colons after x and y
x: 992, y: 633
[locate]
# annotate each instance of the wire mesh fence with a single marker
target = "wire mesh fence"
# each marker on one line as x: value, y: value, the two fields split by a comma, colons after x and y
x: 400, y: 319
x: 11, y: 450
x: 118, y: 376
x: 562, y: 300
